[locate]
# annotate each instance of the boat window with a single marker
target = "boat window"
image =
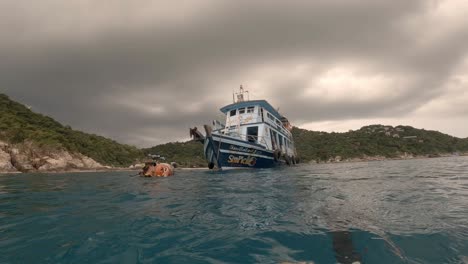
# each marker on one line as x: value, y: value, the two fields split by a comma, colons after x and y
x: 252, y: 133
x: 250, y: 109
x: 232, y: 113
x: 281, y: 141
x: 273, y: 139
x: 241, y: 111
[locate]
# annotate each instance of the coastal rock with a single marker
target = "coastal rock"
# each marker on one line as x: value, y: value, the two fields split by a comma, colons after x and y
x: 21, y: 160
x: 90, y: 163
x: 27, y: 157
x: 374, y: 158
x: 5, y: 162
x: 3, y: 145
x: 63, y: 160
x: 139, y: 165
x: 406, y: 155
x: 53, y: 163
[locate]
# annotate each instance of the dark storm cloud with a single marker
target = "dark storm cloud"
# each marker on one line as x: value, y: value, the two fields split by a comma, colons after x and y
x: 144, y: 74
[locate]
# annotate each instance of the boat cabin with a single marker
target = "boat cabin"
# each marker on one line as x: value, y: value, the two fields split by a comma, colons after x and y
x: 257, y: 122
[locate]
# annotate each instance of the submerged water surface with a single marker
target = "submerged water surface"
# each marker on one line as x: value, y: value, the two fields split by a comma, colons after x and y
x: 413, y: 211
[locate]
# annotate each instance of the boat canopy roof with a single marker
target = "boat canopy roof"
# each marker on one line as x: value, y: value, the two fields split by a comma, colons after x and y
x: 261, y: 103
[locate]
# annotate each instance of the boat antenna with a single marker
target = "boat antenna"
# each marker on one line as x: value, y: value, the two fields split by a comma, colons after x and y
x: 240, y: 95
x: 246, y: 92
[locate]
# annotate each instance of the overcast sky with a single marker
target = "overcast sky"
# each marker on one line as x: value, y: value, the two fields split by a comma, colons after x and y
x: 143, y: 72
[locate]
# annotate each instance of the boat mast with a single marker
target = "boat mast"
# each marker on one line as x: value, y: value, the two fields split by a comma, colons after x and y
x: 240, y: 95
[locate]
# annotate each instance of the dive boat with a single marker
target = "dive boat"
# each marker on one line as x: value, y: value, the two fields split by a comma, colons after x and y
x: 255, y: 135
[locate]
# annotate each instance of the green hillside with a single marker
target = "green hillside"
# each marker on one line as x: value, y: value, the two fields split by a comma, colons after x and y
x: 186, y: 154
x: 18, y: 123
x: 375, y: 140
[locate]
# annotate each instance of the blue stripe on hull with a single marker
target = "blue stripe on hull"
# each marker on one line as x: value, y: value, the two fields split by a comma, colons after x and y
x: 238, y: 156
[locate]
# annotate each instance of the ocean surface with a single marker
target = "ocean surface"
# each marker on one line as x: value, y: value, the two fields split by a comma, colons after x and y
x: 408, y: 211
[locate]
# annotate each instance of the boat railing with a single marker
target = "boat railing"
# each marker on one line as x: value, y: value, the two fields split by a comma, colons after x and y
x: 281, y: 128
x: 217, y: 125
x: 258, y: 139
x: 261, y: 140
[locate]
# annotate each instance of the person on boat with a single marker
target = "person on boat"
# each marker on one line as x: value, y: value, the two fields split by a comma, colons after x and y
x: 196, y: 135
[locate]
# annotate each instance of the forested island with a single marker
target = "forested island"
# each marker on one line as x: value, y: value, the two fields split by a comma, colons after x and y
x: 31, y: 141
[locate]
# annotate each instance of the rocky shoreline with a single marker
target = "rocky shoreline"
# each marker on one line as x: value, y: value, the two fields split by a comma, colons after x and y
x: 27, y: 157
x: 405, y: 156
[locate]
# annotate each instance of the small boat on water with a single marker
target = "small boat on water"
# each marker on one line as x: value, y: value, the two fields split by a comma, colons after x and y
x: 254, y: 135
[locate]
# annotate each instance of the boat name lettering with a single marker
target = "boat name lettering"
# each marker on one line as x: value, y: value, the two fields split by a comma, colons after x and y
x: 251, y: 161
x: 243, y: 149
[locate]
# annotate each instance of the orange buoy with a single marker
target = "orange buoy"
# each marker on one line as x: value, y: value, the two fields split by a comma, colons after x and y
x: 159, y: 170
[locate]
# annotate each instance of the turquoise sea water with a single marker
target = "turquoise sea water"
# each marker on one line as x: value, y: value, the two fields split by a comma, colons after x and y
x: 413, y: 211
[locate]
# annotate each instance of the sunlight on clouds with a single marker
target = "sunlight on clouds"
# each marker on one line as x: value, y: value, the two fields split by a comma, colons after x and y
x: 152, y: 109
x: 86, y: 20
x: 444, y: 18
x: 454, y: 101
x: 342, y: 83
x: 146, y: 102
x: 327, y: 83
x: 191, y: 106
